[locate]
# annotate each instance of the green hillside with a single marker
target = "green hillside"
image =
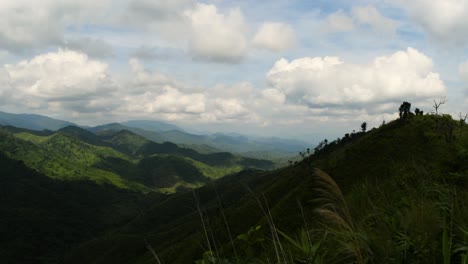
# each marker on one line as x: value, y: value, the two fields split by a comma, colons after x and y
x: 119, y: 158
x: 400, y: 197
x: 42, y: 218
x: 394, y: 194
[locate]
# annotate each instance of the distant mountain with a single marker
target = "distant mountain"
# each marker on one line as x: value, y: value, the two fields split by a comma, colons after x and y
x: 121, y: 158
x: 33, y: 122
x: 152, y: 125
x: 116, y: 127
x: 218, y: 141
x: 262, y: 148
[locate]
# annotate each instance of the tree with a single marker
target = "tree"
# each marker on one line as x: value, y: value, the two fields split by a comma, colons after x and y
x: 418, y: 112
x: 364, y: 127
x: 405, y: 110
x: 436, y: 105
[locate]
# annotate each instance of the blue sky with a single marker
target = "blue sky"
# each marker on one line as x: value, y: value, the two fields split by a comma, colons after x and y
x: 303, y: 69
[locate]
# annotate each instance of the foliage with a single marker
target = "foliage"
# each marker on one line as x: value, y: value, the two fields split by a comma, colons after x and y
x: 395, y: 194
x: 405, y: 110
x: 119, y: 158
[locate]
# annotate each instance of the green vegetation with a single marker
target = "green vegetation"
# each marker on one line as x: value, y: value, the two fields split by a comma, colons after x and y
x: 396, y: 194
x: 122, y: 159
x: 42, y: 218
x: 393, y: 194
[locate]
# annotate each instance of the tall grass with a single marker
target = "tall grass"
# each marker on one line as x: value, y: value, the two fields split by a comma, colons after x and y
x: 337, y: 220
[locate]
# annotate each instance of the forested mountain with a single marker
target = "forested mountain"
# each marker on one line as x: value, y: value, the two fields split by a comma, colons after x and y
x: 394, y: 194
x: 276, y: 149
x: 270, y: 148
x: 121, y: 158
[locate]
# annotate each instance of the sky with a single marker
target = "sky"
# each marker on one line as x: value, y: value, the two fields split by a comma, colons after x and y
x: 289, y: 68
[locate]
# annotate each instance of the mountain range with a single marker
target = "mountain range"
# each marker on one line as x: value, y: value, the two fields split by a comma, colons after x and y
x: 276, y: 149
x: 121, y: 158
x: 31, y: 121
x: 394, y: 194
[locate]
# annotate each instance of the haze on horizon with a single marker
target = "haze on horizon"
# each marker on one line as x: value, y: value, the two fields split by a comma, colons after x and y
x: 287, y: 68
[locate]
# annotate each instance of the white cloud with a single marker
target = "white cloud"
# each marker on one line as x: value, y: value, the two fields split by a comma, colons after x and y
x: 339, y: 22
x: 29, y: 25
x: 369, y: 15
x: 145, y: 81
x: 329, y: 81
x: 64, y: 78
x: 229, y: 108
x: 360, y: 17
x: 216, y: 36
x: 59, y: 74
x: 173, y: 101
x: 275, y: 37
x: 445, y: 20
x: 155, y: 93
x: 274, y: 96
x: 303, y: 90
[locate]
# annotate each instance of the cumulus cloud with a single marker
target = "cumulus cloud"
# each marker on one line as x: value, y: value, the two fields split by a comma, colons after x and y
x: 275, y: 37
x: 445, y: 20
x: 169, y: 100
x: 29, y: 25
x: 302, y: 90
x: 216, y: 36
x: 146, y: 81
x: 68, y: 78
x: 329, y: 81
x: 155, y: 93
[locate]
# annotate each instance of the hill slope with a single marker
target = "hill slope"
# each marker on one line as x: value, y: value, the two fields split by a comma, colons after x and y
x: 119, y: 158
x: 402, y: 200
x: 42, y: 218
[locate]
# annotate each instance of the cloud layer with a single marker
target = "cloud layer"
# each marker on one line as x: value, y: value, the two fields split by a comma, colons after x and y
x: 229, y: 62
x: 275, y: 37
x: 444, y: 20
x: 330, y: 81
x: 321, y: 87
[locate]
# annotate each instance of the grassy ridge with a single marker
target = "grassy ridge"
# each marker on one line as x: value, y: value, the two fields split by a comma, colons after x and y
x: 400, y: 197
